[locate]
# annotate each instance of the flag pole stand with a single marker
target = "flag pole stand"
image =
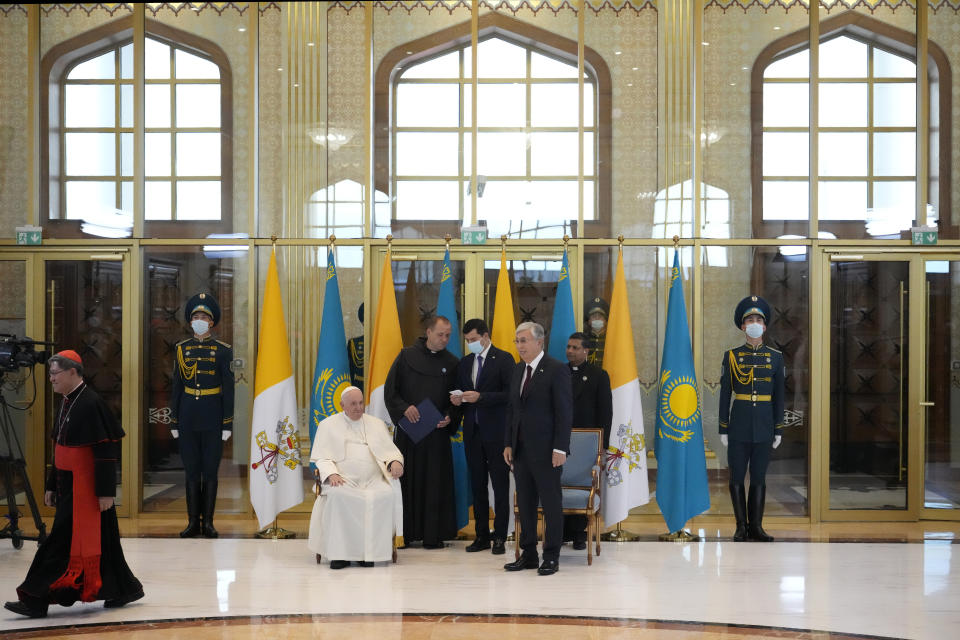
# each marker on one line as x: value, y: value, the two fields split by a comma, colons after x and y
x: 679, y: 536
x: 274, y: 532
x: 619, y: 535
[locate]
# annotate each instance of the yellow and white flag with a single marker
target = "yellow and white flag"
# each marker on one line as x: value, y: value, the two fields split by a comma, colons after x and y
x: 276, y: 476
x: 387, y: 343
x: 504, y: 329
x: 626, y: 466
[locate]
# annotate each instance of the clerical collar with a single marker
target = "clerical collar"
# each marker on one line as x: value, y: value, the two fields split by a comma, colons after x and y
x: 74, y: 390
x: 351, y: 422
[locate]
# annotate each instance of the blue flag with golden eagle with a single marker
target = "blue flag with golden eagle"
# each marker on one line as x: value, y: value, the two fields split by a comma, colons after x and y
x: 331, y: 375
x: 682, y: 491
x: 447, y: 307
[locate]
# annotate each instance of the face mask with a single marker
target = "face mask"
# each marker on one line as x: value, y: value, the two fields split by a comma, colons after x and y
x: 596, y: 325
x: 475, y: 347
x: 200, y: 327
x: 754, y: 330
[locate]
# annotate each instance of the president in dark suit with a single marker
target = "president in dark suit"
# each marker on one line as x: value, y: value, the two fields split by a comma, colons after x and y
x: 484, y: 377
x: 536, y: 445
x: 592, y: 408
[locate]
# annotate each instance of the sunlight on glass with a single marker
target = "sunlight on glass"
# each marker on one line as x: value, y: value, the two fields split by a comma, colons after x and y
x: 543, y: 67
x: 557, y: 105
x: 126, y: 154
x: 786, y: 200
x: 796, y: 65
x: 842, y: 200
x: 157, y: 154
x: 91, y: 154
x: 897, y: 196
x: 785, y: 105
x: 895, y: 104
x: 716, y: 218
x: 445, y: 66
x: 198, y: 154
x: 198, y: 105
x: 895, y: 153
x: 843, y: 57
x: 156, y: 199
x: 843, y: 154
x: 188, y: 66
x: 198, y: 200
x: 501, y: 59
x: 786, y: 153
x: 843, y: 104
x: 103, y: 67
x: 126, y: 198
x: 889, y: 65
x: 547, y: 200
x: 503, y: 154
x: 427, y: 154
x: 126, y: 61
x: 156, y: 108
x: 557, y: 153
x: 89, y: 198
x: 90, y: 105
x: 492, y: 101
x: 427, y: 200
x: 427, y: 105
x: 126, y: 105
x: 467, y: 106
x: 157, y: 60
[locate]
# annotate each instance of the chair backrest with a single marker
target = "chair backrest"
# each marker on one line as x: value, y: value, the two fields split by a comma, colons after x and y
x: 585, y: 446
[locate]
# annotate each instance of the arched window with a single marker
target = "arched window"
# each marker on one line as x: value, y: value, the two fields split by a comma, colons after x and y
x: 867, y: 132
x: 89, y: 128
x: 527, y: 123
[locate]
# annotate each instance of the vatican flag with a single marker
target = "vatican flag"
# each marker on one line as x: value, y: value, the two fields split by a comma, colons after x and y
x: 504, y: 329
x: 276, y: 479
x: 387, y: 344
x: 626, y: 467
x: 682, y: 490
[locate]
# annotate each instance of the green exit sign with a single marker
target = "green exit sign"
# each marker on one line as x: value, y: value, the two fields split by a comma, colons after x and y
x: 923, y: 235
x: 473, y: 235
x: 29, y: 235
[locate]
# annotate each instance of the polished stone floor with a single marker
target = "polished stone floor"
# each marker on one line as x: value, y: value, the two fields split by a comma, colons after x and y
x: 240, y: 587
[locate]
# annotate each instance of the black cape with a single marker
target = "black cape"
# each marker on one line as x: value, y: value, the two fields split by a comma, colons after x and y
x: 85, y: 420
x: 429, y: 510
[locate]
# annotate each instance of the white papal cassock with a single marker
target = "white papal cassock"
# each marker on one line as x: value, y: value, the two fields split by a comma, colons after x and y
x: 357, y: 520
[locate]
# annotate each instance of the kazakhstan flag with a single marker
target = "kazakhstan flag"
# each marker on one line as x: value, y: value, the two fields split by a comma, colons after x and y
x: 332, y: 372
x: 682, y: 491
x: 447, y: 307
x: 562, y: 325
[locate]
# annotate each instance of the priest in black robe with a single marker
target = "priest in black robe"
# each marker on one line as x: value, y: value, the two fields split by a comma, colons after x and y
x: 426, y: 370
x: 81, y: 559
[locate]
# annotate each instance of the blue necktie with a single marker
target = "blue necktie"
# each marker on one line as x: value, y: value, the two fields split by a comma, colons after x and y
x: 479, y: 367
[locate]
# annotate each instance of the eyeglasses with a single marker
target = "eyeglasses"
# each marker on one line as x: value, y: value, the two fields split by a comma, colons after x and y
x: 54, y: 374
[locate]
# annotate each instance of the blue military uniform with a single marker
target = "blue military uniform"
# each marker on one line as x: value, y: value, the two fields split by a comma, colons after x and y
x: 201, y: 408
x: 751, y: 415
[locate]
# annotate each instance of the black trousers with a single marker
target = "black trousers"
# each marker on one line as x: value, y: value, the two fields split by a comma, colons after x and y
x: 486, y: 459
x: 539, y: 481
x: 756, y: 455
x: 201, y: 452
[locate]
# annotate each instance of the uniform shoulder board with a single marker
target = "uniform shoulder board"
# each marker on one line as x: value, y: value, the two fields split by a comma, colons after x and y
x: 184, y: 341
x: 221, y: 342
x: 775, y: 350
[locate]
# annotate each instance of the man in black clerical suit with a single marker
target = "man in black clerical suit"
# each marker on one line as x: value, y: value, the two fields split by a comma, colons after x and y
x: 484, y: 377
x: 592, y: 408
x: 536, y: 444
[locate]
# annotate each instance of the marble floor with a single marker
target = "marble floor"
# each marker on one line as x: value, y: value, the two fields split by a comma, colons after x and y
x: 240, y: 587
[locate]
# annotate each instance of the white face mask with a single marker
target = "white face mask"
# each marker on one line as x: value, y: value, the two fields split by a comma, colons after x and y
x: 596, y: 325
x: 199, y: 327
x: 754, y: 330
x: 475, y: 347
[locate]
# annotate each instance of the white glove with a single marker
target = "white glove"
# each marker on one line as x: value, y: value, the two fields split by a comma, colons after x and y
x: 723, y: 439
x: 776, y: 441
x: 175, y: 433
x: 226, y: 435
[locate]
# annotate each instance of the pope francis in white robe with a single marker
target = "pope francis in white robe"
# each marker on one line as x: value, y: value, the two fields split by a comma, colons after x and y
x: 354, y: 518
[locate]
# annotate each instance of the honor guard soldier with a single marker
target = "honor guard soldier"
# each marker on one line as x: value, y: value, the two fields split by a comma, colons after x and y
x: 596, y: 329
x: 355, y: 354
x: 202, y: 411
x: 751, y: 415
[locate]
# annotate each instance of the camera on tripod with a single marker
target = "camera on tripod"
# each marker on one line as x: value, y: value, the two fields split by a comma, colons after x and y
x: 20, y: 352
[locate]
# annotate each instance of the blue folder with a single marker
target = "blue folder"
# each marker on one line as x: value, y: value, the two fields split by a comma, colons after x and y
x: 429, y: 417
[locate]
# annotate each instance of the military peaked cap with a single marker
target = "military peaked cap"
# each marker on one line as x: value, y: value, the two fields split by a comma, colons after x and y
x: 598, y: 305
x: 203, y: 302
x: 749, y: 306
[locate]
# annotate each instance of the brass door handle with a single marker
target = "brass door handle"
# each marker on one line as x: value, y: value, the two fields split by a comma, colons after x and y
x: 926, y: 404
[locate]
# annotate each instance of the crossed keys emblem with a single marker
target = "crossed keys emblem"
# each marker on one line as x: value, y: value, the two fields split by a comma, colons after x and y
x: 286, y: 449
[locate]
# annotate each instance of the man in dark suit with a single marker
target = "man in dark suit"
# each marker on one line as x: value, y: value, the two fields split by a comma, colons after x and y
x: 536, y: 445
x: 483, y: 377
x: 592, y: 408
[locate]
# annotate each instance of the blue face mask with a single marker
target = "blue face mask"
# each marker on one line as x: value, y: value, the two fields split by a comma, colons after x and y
x: 475, y: 347
x: 754, y: 330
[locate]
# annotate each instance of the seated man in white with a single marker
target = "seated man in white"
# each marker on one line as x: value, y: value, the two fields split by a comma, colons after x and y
x: 354, y: 517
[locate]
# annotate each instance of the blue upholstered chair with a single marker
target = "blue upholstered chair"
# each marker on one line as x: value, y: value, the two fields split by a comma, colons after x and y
x: 581, y: 485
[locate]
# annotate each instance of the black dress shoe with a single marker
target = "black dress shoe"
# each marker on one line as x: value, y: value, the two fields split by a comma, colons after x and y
x: 192, y: 530
x: 339, y: 564
x: 209, y: 531
x: 579, y: 545
x: 114, y: 603
x: 365, y: 564
x: 548, y: 567
x: 524, y: 562
x: 434, y: 545
x: 478, y: 545
x: 499, y: 548
x: 21, y: 608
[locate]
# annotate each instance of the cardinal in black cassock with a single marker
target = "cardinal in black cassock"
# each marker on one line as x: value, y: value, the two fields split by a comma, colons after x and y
x: 81, y: 559
x: 426, y: 370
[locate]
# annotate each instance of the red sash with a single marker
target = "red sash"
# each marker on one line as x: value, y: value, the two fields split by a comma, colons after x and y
x: 83, y: 570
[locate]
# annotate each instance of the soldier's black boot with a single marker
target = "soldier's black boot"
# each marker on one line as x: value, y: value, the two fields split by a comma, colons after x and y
x: 755, y: 502
x: 738, y: 496
x: 193, y: 511
x: 209, y: 504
